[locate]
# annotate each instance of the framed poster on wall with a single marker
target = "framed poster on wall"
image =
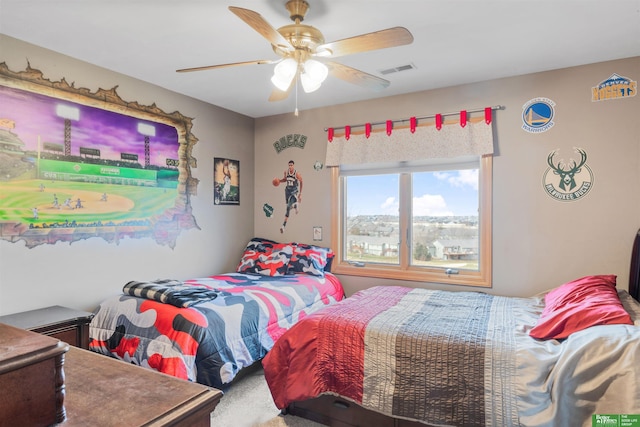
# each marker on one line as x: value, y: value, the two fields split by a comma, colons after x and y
x: 226, y: 181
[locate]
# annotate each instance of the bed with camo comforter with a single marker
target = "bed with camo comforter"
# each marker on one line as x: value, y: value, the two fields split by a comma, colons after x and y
x: 208, y: 336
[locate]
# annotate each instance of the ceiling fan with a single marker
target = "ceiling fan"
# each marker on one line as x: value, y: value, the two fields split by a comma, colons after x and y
x: 304, y: 55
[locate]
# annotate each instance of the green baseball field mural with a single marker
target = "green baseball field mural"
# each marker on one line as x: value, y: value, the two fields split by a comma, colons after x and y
x: 76, y: 164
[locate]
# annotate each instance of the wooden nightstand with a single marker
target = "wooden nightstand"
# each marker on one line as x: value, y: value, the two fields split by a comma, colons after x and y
x: 65, y: 324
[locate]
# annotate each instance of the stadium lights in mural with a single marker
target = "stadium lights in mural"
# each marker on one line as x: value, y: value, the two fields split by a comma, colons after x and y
x: 76, y: 164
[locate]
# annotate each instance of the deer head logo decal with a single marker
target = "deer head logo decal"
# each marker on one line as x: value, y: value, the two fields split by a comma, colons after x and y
x: 568, y: 187
x: 567, y: 176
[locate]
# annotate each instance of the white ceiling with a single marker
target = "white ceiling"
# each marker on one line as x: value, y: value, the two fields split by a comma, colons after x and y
x: 455, y: 41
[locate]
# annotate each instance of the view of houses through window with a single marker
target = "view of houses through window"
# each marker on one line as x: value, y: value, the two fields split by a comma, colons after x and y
x: 447, y: 242
x: 440, y: 213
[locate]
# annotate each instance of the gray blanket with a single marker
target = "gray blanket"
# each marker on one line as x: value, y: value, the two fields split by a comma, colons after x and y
x: 441, y: 379
x: 168, y: 291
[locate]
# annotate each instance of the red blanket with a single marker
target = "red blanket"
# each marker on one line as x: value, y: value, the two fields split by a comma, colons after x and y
x: 334, y: 334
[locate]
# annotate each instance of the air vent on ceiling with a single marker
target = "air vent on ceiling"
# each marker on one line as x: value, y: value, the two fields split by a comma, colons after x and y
x: 397, y: 69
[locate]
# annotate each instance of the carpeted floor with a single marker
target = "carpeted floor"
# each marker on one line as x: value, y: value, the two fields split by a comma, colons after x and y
x: 248, y: 403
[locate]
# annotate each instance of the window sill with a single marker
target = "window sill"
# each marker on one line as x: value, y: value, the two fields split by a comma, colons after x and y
x: 465, y: 278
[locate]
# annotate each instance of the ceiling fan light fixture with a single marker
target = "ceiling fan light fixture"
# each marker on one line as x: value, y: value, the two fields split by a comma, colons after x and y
x: 316, y: 70
x: 314, y: 74
x: 309, y: 84
x: 281, y: 83
x: 283, y: 73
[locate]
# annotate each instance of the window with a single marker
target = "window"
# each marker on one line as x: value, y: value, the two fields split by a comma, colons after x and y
x: 421, y: 221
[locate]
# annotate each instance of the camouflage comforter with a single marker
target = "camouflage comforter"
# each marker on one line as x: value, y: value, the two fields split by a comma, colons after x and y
x: 211, y: 341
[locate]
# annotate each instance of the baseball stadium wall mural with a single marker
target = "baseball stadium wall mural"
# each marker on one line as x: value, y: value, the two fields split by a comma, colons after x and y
x: 76, y: 164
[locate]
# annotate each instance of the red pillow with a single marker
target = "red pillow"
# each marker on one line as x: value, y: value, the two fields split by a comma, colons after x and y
x: 577, y: 305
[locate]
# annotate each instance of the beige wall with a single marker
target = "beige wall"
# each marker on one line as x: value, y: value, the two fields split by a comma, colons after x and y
x: 81, y: 274
x: 538, y: 242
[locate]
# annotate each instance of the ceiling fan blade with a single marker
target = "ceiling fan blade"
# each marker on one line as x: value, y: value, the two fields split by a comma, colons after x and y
x: 357, y: 77
x: 232, y: 64
x: 258, y: 23
x: 391, y: 37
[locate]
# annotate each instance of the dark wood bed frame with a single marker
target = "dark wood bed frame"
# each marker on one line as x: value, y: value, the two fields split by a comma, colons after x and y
x: 634, y: 274
x: 337, y: 412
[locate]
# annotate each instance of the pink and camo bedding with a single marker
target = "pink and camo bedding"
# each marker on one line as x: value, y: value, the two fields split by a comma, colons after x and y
x: 234, y: 322
x: 464, y: 358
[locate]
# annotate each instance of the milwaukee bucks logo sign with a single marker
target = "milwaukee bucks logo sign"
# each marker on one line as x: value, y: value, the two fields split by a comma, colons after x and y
x: 567, y: 181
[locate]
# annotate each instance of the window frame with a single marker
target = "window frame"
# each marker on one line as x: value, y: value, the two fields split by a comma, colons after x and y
x: 405, y: 271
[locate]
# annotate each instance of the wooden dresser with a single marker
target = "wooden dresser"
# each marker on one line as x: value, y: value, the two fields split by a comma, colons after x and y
x: 105, y: 392
x: 32, y: 386
x: 42, y: 378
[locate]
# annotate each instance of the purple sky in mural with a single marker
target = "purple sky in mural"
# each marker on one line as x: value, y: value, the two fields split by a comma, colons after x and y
x: 112, y: 133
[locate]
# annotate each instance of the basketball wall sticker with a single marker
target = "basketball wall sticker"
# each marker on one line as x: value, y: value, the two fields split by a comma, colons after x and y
x: 567, y: 181
x: 538, y: 115
x: 291, y: 140
x: 291, y: 179
x: 293, y: 185
x: 614, y: 87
